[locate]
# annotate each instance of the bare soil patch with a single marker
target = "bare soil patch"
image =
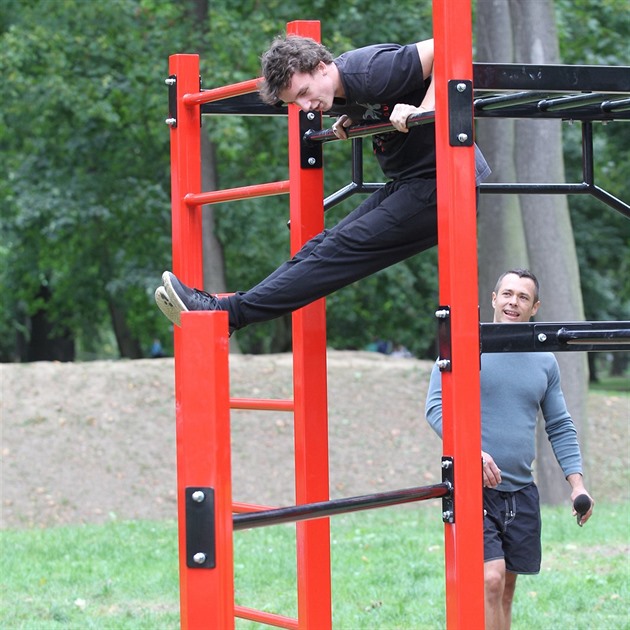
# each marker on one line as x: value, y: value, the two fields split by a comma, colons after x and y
x: 89, y: 442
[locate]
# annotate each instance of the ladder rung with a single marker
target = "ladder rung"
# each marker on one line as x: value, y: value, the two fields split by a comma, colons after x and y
x: 266, y: 404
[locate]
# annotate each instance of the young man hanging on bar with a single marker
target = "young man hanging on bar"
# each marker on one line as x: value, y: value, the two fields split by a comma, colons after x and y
x: 382, y: 82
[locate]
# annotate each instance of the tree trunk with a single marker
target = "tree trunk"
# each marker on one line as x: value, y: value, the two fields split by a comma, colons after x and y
x: 128, y: 346
x: 550, y: 243
x: 501, y: 239
x: 47, y: 342
x: 213, y: 261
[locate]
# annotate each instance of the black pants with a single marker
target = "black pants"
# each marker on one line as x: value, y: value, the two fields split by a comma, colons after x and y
x: 394, y: 223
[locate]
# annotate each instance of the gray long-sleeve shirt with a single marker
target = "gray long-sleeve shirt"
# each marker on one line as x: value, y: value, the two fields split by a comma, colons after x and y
x: 514, y: 386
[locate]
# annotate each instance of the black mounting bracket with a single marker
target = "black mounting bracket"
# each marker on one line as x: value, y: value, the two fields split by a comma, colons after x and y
x: 172, y: 101
x: 311, y: 154
x: 448, y: 477
x: 200, y: 528
x: 460, y: 113
x: 444, y: 338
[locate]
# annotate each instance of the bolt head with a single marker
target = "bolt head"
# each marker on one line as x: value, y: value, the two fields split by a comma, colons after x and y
x: 461, y: 87
x: 199, y: 557
x: 542, y: 337
x: 198, y: 496
x: 462, y: 137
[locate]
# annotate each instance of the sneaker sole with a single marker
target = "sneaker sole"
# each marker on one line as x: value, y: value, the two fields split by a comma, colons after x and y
x: 172, y: 311
x: 170, y: 292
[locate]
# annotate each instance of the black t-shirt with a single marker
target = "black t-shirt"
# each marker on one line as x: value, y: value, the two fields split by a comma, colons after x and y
x: 376, y: 78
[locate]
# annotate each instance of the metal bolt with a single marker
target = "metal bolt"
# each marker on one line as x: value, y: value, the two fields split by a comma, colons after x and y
x: 442, y: 313
x: 461, y: 87
x: 446, y: 463
x: 312, y: 161
x: 199, y: 557
x: 171, y: 122
x: 198, y: 496
x: 170, y: 81
x: 443, y: 364
x: 542, y: 337
x: 462, y: 137
x: 447, y: 515
x: 310, y: 116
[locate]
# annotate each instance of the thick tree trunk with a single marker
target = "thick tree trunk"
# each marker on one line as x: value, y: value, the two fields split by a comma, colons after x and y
x: 213, y: 261
x: 501, y: 238
x: 548, y: 230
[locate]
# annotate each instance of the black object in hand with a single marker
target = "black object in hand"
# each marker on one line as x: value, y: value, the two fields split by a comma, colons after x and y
x: 581, y: 505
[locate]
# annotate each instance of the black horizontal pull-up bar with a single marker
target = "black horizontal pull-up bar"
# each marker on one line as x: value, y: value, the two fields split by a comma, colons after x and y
x: 321, y: 509
x: 555, y: 337
x: 367, y: 129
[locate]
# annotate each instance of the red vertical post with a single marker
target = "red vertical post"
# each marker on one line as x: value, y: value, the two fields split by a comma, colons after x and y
x: 186, y: 172
x: 310, y: 388
x: 204, y: 461
x: 201, y: 378
x: 457, y: 256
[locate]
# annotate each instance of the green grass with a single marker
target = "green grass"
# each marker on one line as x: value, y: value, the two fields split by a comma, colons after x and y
x: 612, y: 384
x: 387, y: 573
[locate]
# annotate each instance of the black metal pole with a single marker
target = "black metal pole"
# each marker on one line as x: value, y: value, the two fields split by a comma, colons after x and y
x: 369, y: 129
x: 321, y: 509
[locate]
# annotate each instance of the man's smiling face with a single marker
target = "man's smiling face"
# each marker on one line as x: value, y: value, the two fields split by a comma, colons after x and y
x: 514, y: 301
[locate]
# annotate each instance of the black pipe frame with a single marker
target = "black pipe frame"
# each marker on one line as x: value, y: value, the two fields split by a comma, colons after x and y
x: 323, y: 509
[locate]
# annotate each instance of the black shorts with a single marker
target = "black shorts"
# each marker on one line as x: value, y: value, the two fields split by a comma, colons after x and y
x: 511, y: 528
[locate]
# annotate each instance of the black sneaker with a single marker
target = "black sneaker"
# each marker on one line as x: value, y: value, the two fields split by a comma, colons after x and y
x: 183, y: 298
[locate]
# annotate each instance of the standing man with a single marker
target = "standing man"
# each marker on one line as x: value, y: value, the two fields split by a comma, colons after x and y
x: 514, y: 386
x: 383, y: 82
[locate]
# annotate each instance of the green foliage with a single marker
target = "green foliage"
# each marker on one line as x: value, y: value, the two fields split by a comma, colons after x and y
x: 85, y: 197
x: 597, y: 32
x: 85, y: 201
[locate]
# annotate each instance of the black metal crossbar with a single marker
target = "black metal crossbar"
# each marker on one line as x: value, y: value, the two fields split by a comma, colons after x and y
x: 322, y: 509
x: 555, y: 337
x: 368, y: 129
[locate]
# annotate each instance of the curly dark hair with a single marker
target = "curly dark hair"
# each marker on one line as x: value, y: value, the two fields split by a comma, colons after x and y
x: 286, y: 56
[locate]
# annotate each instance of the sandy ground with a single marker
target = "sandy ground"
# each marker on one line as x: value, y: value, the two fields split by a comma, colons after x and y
x: 89, y: 442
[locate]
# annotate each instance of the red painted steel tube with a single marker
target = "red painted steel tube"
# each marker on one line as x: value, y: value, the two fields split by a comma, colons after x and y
x: 203, y: 460
x: 457, y: 258
x: 309, y: 387
x: 234, y: 194
x: 262, y: 403
x: 241, y: 508
x: 270, y: 619
x: 186, y: 177
x: 218, y: 94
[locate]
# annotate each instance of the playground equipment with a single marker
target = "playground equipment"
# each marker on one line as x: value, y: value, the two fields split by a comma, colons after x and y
x: 205, y: 506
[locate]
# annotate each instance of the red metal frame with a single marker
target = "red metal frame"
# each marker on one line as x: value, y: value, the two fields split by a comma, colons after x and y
x: 310, y: 388
x: 201, y: 372
x: 457, y: 259
x: 201, y: 357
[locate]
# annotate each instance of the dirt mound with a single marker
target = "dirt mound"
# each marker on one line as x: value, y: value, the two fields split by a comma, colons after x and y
x: 88, y: 442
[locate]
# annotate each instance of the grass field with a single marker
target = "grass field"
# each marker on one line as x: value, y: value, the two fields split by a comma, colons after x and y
x: 388, y: 573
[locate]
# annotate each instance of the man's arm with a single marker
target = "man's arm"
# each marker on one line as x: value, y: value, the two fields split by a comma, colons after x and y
x: 433, y: 404
x: 491, y: 476
x: 401, y: 112
x: 563, y: 437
